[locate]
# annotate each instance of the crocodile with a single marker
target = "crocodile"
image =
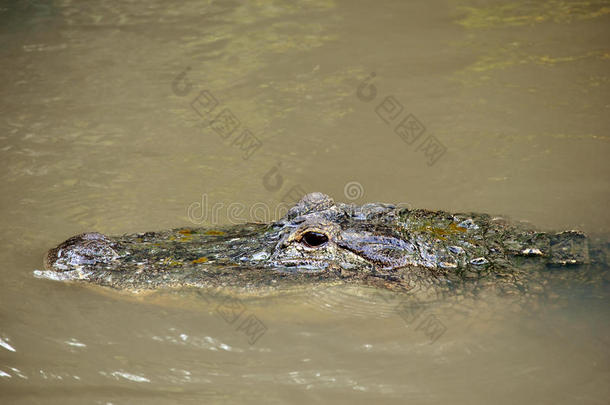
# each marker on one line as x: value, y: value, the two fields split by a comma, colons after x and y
x: 320, y: 241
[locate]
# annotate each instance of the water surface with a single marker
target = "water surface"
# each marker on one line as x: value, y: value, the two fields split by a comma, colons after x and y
x: 105, y: 126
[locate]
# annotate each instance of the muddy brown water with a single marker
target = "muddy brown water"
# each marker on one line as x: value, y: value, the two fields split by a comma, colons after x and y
x: 108, y: 123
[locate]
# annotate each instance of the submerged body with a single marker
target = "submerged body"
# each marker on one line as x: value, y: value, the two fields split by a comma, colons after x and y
x: 321, y: 241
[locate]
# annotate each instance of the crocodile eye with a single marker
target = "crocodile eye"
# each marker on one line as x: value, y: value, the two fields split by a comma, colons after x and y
x: 314, y: 239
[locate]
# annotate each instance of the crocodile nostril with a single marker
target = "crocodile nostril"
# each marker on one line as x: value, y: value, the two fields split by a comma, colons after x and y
x: 314, y: 239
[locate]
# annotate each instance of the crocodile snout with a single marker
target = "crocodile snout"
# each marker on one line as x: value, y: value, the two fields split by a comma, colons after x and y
x: 84, y: 249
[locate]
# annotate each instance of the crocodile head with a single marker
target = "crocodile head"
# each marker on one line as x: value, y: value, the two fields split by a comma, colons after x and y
x: 318, y: 235
x: 316, y: 240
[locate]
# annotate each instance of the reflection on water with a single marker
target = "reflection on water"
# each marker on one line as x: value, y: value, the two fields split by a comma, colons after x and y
x: 107, y: 124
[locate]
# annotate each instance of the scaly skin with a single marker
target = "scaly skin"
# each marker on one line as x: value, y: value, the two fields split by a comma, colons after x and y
x: 319, y: 241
